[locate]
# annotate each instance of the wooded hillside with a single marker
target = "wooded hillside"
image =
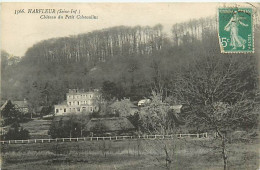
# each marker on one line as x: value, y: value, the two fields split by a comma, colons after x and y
x: 125, y: 61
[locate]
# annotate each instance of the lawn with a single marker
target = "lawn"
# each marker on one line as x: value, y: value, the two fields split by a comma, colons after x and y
x: 132, y: 154
x: 38, y: 128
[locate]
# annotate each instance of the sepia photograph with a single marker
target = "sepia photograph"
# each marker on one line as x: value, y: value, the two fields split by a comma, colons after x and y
x: 129, y: 86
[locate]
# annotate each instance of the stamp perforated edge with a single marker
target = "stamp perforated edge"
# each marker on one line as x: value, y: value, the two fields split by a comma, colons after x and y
x: 253, y: 32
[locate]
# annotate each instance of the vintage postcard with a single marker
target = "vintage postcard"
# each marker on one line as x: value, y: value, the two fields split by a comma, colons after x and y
x: 102, y: 86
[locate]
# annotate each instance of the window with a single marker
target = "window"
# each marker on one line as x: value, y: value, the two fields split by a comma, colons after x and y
x: 78, y: 109
x: 57, y: 110
x: 64, y: 110
x: 91, y: 109
x: 78, y: 103
x: 70, y: 103
x: 90, y: 96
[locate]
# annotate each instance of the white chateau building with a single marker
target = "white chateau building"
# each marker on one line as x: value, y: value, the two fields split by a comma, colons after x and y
x: 79, y: 101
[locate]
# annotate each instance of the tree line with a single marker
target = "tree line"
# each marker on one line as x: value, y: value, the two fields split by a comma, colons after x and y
x: 122, y: 61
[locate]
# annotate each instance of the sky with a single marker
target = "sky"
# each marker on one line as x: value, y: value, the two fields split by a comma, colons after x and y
x: 20, y: 31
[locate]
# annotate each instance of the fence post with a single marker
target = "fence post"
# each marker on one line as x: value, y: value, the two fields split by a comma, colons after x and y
x: 91, y: 138
x: 84, y: 139
x: 70, y: 139
x: 110, y: 137
x: 116, y: 137
x: 42, y: 140
x: 14, y: 141
x: 56, y: 139
x: 49, y: 140
x: 34, y: 140
x: 22, y: 141
x: 198, y: 135
x: 206, y: 134
x: 9, y: 142
x: 77, y: 139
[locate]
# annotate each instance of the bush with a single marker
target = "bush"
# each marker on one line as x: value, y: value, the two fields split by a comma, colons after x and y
x: 16, y: 133
x: 70, y: 126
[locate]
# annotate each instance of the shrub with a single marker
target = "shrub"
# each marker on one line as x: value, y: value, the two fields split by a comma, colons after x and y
x: 16, y: 133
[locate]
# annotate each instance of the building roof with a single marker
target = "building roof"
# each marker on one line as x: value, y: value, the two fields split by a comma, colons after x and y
x: 109, y: 124
x: 82, y: 91
x: 144, y: 101
x: 3, y: 105
x: 176, y: 108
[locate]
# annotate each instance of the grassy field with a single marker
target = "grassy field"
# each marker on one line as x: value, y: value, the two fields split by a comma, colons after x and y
x: 134, y: 154
x: 38, y: 128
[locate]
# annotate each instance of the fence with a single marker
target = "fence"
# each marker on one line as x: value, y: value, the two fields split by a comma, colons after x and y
x: 144, y: 137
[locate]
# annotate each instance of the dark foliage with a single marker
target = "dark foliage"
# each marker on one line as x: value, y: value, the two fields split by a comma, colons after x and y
x: 69, y: 126
x: 16, y: 133
x: 135, y: 120
x: 11, y: 114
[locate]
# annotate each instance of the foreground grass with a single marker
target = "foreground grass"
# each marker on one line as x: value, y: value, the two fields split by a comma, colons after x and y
x: 135, y: 154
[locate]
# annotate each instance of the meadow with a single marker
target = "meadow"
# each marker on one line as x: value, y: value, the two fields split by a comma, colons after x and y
x: 130, y: 154
x: 38, y: 128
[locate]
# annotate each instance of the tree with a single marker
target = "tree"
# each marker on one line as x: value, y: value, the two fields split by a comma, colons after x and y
x: 109, y: 90
x: 71, y: 126
x: 135, y: 120
x: 220, y: 91
x: 10, y: 114
x: 4, y: 60
x: 158, y: 118
x: 123, y: 107
x: 16, y: 133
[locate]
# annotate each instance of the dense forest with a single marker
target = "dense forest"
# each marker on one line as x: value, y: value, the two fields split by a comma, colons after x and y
x: 122, y: 61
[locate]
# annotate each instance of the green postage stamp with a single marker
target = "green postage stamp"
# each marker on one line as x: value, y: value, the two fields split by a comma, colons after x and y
x: 235, y: 30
